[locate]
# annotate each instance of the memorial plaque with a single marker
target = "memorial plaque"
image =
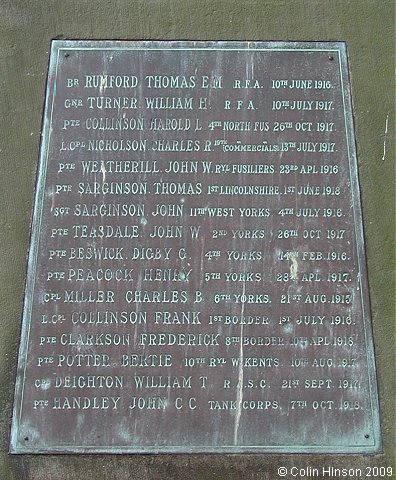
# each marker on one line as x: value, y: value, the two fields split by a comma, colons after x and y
x: 196, y: 277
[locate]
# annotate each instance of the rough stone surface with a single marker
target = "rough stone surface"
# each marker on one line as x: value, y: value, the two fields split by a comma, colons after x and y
x: 26, y: 28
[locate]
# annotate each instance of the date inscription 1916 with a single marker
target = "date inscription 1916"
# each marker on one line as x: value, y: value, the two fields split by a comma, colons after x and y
x: 196, y: 277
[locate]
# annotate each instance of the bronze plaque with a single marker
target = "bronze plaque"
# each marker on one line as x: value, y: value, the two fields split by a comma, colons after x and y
x: 196, y: 277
